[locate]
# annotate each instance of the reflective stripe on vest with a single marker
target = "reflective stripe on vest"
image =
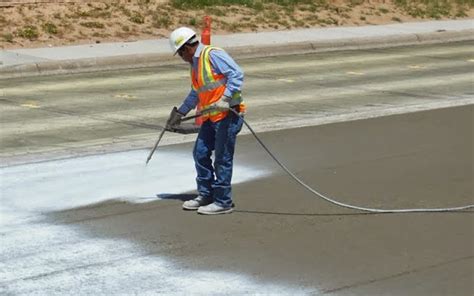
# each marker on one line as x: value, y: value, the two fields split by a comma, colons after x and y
x: 211, y: 85
x: 206, y: 76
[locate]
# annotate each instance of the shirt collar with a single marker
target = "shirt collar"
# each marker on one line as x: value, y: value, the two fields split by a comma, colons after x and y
x: 198, y: 51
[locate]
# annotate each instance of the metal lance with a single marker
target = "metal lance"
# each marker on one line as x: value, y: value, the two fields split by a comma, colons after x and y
x: 163, y: 132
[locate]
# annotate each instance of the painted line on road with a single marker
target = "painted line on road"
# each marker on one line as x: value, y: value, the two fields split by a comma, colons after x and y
x: 125, y: 96
x: 416, y: 67
x: 286, y: 80
x: 30, y: 104
x: 355, y: 73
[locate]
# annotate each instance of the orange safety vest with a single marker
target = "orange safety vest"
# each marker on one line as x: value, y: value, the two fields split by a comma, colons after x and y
x: 210, y: 87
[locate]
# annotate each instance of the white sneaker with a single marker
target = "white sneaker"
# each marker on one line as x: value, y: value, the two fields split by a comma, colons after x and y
x: 194, y: 204
x: 214, y: 209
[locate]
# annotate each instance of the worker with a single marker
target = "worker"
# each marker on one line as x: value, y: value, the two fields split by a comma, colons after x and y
x: 216, y: 83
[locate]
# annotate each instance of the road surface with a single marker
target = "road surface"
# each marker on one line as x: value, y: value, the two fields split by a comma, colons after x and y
x: 63, y: 116
x: 106, y: 224
x: 94, y: 225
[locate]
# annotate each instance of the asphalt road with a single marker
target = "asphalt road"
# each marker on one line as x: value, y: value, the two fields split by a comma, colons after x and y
x: 63, y: 116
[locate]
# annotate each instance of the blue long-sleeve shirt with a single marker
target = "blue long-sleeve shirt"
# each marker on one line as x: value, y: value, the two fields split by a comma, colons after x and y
x: 223, y: 64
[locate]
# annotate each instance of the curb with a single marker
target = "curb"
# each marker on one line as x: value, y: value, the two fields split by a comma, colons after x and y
x: 242, y: 52
x: 87, y: 65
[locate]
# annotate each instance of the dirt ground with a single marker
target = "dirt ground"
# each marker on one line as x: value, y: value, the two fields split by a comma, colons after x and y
x: 26, y: 24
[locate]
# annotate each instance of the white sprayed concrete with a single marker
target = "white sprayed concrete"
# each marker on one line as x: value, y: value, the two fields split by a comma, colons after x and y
x: 42, y: 258
x: 70, y: 183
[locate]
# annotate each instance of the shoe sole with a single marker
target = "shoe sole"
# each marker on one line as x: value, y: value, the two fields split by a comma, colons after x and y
x: 226, y: 211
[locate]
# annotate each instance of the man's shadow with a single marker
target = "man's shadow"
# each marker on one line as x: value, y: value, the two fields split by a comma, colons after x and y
x: 180, y: 196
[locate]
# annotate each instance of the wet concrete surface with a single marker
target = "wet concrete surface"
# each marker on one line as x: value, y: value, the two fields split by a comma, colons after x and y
x: 282, y: 234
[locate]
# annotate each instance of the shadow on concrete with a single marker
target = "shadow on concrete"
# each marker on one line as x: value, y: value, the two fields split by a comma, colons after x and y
x: 181, y: 197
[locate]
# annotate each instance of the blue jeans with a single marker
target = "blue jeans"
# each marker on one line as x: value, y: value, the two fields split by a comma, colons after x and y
x: 215, y: 180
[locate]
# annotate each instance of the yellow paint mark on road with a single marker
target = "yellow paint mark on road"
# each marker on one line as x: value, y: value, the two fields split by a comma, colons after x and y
x: 286, y: 80
x: 416, y: 66
x: 31, y: 104
x: 471, y: 60
x: 354, y: 73
x: 125, y: 96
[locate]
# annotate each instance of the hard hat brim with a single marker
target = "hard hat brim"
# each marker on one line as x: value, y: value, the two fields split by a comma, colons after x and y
x: 192, y: 39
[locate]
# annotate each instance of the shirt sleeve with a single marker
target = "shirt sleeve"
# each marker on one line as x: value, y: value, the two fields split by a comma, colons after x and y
x: 224, y: 64
x: 189, y: 103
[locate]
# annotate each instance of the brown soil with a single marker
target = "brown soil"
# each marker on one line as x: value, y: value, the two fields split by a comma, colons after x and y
x: 67, y: 23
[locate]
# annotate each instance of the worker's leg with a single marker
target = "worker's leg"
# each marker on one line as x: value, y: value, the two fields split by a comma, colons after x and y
x: 226, y: 134
x: 202, y: 159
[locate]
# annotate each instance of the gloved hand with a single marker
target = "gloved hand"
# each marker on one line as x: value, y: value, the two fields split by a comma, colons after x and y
x: 174, y: 119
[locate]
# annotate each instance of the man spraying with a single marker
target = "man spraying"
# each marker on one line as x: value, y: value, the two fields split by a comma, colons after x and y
x: 216, y: 82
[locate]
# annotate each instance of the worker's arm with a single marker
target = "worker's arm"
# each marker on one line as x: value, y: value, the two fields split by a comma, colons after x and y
x: 224, y: 64
x: 189, y: 103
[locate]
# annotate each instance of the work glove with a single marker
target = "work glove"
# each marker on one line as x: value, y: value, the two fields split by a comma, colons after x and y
x: 174, y: 119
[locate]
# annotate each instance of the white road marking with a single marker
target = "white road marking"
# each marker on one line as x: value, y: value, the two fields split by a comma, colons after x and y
x: 286, y: 80
x: 30, y: 104
x: 354, y: 73
x: 125, y: 96
x: 416, y: 67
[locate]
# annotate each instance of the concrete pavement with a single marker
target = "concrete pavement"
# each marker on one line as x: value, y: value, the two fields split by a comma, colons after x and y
x: 93, y: 225
x: 146, y: 53
x: 61, y: 116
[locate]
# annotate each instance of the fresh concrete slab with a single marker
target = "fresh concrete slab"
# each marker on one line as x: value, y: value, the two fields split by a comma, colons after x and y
x: 94, y: 225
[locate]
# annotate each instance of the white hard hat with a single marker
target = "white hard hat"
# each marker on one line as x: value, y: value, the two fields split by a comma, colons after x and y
x: 179, y: 37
